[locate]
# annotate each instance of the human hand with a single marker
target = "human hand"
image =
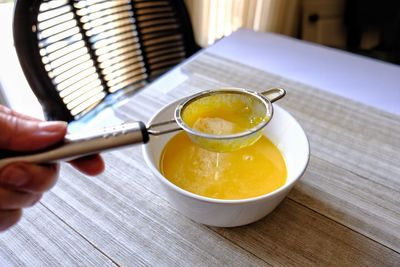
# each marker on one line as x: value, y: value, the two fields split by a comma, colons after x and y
x: 22, y: 184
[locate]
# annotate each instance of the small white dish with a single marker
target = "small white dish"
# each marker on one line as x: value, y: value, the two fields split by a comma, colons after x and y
x: 283, y: 130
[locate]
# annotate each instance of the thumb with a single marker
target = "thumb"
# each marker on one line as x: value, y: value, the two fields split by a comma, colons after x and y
x: 20, y: 134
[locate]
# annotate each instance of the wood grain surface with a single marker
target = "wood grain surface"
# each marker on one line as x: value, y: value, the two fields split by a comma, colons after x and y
x: 345, y: 211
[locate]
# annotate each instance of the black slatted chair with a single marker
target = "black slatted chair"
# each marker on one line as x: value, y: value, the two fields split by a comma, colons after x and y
x: 77, y: 54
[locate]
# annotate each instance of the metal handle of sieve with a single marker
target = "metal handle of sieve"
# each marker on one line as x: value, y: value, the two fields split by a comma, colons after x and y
x: 274, y: 94
x: 82, y: 144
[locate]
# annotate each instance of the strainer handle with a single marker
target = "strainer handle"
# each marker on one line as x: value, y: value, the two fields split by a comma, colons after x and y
x: 83, y: 144
x: 274, y: 94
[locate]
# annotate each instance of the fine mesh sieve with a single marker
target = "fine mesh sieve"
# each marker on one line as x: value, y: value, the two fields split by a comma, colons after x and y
x: 259, y: 112
x: 254, y: 108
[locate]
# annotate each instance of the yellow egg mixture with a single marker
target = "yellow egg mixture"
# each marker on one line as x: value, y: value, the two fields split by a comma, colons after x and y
x: 245, y: 173
x: 249, y: 172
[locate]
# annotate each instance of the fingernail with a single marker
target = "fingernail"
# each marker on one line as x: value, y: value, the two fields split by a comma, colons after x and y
x: 50, y: 126
x: 14, y: 176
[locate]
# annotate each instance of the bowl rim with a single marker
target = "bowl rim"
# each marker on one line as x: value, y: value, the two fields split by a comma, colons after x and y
x: 165, y: 181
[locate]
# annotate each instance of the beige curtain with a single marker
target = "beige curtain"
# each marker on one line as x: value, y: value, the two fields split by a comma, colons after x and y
x: 213, y: 19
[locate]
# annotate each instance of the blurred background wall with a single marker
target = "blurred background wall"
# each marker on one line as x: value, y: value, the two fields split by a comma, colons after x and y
x: 213, y: 19
x: 367, y: 27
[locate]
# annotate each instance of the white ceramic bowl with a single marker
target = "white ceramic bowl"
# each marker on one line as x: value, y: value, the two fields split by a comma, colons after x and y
x: 283, y: 130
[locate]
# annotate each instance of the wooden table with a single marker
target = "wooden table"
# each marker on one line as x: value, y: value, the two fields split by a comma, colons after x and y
x: 344, y: 211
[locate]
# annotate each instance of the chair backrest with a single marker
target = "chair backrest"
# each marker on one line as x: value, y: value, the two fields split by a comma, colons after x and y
x: 76, y: 54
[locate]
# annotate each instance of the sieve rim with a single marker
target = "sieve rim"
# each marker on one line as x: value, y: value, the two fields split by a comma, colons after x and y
x: 263, y: 99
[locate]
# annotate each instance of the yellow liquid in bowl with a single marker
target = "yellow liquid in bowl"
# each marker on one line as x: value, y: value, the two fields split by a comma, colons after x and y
x: 249, y: 172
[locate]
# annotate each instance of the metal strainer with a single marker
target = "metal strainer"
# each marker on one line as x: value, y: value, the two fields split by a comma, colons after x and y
x: 259, y: 109
x: 256, y: 109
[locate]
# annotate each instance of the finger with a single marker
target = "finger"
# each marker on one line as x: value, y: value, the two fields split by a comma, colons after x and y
x: 90, y: 165
x: 9, y: 111
x: 31, y: 178
x: 12, y: 199
x: 21, y: 134
x: 8, y: 218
